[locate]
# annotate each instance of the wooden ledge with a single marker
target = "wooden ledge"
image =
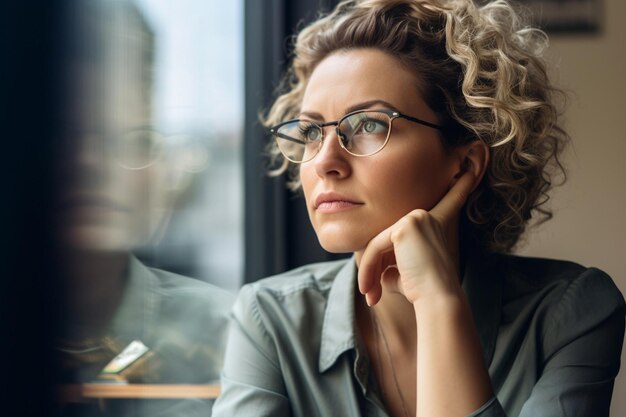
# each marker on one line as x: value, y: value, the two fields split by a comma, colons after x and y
x: 77, y: 392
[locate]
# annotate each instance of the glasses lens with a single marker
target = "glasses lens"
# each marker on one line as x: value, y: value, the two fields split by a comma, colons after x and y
x: 365, y: 133
x: 298, y: 140
x: 138, y: 148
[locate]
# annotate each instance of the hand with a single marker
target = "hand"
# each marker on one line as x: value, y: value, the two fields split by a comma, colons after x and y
x: 417, y: 255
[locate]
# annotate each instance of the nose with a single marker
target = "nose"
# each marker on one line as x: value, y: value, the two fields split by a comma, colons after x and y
x: 332, y: 160
x: 87, y: 159
x: 94, y: 154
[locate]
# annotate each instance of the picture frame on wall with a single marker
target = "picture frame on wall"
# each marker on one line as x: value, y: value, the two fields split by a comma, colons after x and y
x: 565, y: 16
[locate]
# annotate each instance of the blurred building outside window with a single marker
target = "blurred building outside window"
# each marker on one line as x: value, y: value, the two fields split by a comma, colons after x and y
x: 197, y: 107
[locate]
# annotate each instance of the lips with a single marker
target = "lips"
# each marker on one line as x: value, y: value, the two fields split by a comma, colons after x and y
x: 333, y: 201
x: 78, y: 200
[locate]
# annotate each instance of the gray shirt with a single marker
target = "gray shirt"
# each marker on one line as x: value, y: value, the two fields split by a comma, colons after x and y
x: 551, y: 333
x: 183, y: 321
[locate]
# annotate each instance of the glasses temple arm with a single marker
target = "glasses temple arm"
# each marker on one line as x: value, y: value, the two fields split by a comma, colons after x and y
x: 420, y: 121
x: 289, y: 138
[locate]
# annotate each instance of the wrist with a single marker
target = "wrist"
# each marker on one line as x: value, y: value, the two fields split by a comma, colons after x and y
x: 441, y: 305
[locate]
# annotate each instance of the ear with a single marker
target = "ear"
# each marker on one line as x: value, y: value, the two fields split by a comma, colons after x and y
x: 473, y: 157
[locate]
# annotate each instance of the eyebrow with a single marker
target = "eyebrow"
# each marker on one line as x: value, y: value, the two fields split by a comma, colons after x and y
x: 358, y: 106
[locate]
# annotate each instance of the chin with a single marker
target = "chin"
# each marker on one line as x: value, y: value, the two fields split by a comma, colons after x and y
x: 341, y: 240
x: 94, y: 238
x: 333, y: 247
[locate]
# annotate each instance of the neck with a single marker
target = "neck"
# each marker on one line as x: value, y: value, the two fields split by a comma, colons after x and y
x: 396, y: 317
x: 94, y: 283
x: 389, y: 332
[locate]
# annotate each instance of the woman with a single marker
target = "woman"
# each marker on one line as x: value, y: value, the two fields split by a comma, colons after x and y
x: 423, y: 135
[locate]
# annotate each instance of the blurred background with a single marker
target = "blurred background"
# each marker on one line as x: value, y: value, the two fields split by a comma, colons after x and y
x: 588, y: 225
x: 191, y: 161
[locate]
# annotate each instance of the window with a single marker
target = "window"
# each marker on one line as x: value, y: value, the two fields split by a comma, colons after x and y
x: 197, y: 106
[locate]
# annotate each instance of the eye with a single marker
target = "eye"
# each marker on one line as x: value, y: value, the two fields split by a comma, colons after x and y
x: 309, y: 132
x: 371, y: 126
x: 138, y: 148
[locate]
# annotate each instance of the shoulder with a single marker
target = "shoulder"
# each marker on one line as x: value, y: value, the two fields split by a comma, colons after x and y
x: 538, y: 271
x: 283, y: 300
x: 568, y: 298
x: 317, y: 277
x: 190, y: 311
x: 529, y: 274
x: 192, y: 294
x: 187, y: 321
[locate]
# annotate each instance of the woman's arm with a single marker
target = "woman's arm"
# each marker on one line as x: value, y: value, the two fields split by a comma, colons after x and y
x: 452, y: 379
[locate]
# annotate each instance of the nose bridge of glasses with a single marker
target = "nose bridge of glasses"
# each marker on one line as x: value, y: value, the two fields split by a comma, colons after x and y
x: 341, y: 137
x: 323, y: 126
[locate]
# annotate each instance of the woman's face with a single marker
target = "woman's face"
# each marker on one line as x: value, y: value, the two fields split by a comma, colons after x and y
x: 102, y: 205
x: 351, y: 199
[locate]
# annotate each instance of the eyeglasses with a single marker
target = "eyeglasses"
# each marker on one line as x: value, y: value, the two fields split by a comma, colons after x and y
x: 360, y: 133
x: 133, y: 149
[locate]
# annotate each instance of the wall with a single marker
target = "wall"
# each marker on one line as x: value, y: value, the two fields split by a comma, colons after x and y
x: 589, y: 225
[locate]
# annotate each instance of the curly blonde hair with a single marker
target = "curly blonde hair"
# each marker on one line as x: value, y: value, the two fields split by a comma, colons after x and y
x: 483, y: 74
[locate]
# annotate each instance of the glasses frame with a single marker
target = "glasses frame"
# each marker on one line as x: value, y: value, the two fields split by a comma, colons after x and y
x: 392, y: 114
x: 111, y: 140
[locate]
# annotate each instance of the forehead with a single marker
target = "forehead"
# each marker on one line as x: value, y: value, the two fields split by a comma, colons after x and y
x: 96, y: 98
x: 346, y: 78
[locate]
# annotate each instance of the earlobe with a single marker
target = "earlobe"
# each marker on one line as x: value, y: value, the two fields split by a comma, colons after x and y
x: 473, y: 157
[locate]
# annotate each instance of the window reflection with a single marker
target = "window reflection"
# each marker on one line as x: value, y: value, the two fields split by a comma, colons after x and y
x: 149, y: 177
x: 198, y: 102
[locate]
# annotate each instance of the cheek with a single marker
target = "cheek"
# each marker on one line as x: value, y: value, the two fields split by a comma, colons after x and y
x: 417, y: 182
x: 307, y: 180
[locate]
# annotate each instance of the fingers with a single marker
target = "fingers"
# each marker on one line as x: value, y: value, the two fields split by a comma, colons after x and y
x: 373, y: 296
x: 419, y: 234
x: 452, y: 203
x: 372, y: 266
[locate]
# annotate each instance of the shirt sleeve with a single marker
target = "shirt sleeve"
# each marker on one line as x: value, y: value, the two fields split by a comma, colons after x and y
x: 252, y: 382
x: 582, y: 343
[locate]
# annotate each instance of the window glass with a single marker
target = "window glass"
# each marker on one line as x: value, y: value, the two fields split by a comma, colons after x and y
x: 197, y: 105
x: 148, y: 203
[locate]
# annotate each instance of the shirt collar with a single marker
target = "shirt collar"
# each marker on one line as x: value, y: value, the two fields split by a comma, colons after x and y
x: 339, y: 326
x: 136, y: 316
